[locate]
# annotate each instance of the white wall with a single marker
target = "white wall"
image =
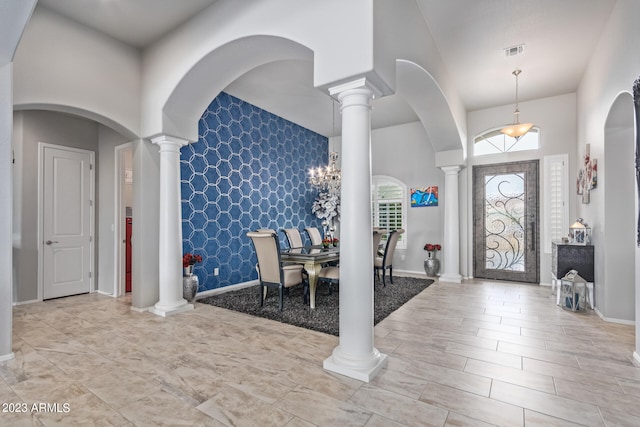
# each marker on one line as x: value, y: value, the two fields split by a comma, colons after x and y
x: 404, y: 152
x: 612, y: 70
x: 63, y: 65
x: 185, y: 51
x: 556, y: 119
x: 52, y: 128
x: 108, y: 140
x: 6, y: 114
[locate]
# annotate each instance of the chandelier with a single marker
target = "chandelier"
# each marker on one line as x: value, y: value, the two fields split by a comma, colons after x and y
x: 517, y: 129
x: 327, y: 178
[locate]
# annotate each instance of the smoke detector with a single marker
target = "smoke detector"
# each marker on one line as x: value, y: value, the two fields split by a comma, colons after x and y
x: 514, y: 50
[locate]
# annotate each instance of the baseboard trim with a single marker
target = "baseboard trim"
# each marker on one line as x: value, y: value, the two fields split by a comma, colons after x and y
x: 409, y: 273
x: 613, y: 320
x: 25, y: 302
x: 106, y: 293
x: 6, y: 357
x: 636, y: 357
x: 218, y: 291
x: 140, y: 310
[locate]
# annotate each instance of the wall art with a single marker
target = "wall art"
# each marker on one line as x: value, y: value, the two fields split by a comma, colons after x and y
x: 424, y: 196
x: 587, y: 178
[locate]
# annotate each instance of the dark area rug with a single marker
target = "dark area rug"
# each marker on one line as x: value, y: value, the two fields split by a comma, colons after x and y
x: 325, y: 317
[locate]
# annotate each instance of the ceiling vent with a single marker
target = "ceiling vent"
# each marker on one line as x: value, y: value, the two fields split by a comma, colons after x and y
x: 514, y: 50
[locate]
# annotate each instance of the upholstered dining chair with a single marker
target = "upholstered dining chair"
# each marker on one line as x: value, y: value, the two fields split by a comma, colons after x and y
x: 272, y: 272
x: 293, y: 237
x: 385, y: 262
x: 314, y: 235
x: 329, y: 275
x: 377, y: 236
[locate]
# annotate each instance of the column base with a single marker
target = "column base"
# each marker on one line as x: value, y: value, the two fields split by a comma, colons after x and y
x: 7, y: 357
x: 453, y: 278
x: 168, y: 311
x: 363, y: 370
x: 636, y: 357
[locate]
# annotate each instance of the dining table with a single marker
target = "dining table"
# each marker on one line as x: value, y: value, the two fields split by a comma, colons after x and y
x: 312, y: 258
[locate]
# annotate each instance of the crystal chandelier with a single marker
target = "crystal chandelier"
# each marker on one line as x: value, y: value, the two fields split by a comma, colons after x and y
x: 517, y: 129
x: 327, y: 178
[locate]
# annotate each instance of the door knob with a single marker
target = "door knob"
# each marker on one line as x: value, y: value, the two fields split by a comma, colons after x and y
x: 48, y: 242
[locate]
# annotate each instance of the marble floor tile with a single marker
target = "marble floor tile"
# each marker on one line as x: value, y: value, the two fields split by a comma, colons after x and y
x: 546, y: 403
x: 538, y: 354
x: 511, y: 375
x: 233, y: 407
x: 498, y: 359
x: 399, y: 408
x: 604, y: 399
x: 536, y: 419
x: 619, y: 419
x: 459, y: 420
x: 315, y: 407
x: 471, y: 405
x: 582, y: 376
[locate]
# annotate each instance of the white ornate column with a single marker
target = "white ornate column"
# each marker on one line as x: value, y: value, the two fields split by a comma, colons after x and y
x: 170, y: 231
x: 451, y: 246
x: 355, y: 356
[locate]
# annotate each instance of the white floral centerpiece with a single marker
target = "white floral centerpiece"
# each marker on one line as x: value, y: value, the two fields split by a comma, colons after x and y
x: 326, y: 206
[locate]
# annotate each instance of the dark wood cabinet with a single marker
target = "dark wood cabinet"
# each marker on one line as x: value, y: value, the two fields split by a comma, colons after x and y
x: 565, y: 257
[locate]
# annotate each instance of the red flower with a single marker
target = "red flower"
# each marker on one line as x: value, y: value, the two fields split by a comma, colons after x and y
x: 190, y: 259
x: 432, y: 247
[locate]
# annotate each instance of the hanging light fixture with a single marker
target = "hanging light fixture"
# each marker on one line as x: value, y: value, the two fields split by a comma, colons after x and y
x: 517, y: 129
x: 328, y: 178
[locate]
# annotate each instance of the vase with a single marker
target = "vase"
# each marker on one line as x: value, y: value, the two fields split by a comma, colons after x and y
x: 431, y: 265
x: 190, y: 287
x: 188, y: 270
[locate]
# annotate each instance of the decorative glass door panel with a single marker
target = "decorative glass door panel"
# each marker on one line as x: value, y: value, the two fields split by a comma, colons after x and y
x: 506, y: 222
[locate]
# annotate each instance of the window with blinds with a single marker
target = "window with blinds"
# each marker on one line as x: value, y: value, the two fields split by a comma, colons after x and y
x: 388, y: 206
x: 556, y: 194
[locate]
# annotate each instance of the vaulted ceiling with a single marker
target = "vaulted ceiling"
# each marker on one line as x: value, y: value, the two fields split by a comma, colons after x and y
x: 471, y: 35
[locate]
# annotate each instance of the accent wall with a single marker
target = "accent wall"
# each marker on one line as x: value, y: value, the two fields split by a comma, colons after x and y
x: 248, y: 170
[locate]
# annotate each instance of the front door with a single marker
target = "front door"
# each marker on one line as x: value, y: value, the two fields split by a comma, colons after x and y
x: 505, y: 222
x: 67, y: 188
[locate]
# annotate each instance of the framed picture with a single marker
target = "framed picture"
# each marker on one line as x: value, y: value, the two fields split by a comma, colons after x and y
x: 424, y: 196
x: 587, y: 178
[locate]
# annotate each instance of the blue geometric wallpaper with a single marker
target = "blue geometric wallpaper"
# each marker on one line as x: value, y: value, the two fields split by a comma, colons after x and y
x: 248, y: 170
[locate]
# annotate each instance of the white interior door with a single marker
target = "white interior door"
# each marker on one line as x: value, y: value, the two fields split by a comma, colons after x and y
x: 67, y: 221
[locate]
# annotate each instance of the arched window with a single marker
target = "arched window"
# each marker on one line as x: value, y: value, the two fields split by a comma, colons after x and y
x: 389, y: 206
x: 494, y: 141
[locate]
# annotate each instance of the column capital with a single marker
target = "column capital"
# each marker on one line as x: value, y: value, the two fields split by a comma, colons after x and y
x: 169, y: 140
x: 359, y: 84
x: 451, y: 170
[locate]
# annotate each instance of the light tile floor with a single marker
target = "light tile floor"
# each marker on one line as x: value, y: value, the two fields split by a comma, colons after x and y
x: 471, y: 354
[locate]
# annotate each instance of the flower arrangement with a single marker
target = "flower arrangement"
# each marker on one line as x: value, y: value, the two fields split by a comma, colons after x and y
x: 335, y: 241
x: 326, y: 242
x: 432, y: 247
x: 190, y: 259
x: 326, y: 206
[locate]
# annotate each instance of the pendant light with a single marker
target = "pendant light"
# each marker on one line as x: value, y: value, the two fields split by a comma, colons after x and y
x: 517, y: 129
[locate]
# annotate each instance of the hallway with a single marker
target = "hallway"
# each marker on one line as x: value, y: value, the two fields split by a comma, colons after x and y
x: 459, y: 355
